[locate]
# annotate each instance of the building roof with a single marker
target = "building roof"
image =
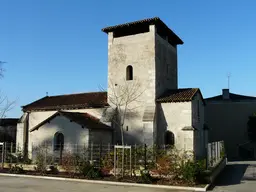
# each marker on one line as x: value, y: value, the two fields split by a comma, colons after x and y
x: 178, y: 95
x: 83, y: 119
x: 161, y: 27
x: 232, y: 97
x: 8, y: 121
x: 71, y: 101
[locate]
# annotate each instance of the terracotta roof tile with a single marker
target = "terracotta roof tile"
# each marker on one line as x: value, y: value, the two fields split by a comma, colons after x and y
x: 178, y: 95
x: 72, y: 101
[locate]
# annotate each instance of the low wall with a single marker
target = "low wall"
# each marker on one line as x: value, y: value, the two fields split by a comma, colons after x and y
x: 212, y: 174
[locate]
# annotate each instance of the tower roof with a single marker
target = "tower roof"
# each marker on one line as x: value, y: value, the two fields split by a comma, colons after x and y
x: 161, y: 27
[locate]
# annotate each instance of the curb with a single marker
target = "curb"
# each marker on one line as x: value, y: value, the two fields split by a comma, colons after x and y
x: 110, y: 182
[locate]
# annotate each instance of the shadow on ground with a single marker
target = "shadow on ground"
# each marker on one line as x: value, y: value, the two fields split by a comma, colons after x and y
x: 233, y: 174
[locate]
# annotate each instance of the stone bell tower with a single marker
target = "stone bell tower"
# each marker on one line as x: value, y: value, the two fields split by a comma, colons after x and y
x: 142, y: 52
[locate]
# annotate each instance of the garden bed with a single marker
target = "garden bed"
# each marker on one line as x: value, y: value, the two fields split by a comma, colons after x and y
x: 111, y: 178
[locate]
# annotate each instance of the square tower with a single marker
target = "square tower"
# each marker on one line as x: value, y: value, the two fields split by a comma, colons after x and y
x: 145, y: 51
x: 143, y: 55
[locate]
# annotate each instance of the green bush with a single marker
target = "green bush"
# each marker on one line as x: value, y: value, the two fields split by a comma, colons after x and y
x: 145, y: 177
x: 188, y: 171
x: 17, y: 169
x: 85, y: 169
x: 191, y: 171
x: 94, y: 173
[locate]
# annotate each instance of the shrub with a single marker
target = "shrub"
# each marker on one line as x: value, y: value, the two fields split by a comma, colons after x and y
x: 94, y: 173
x: 17, y: 169
x: 145, y: 177
x: 190, y: 170
x: 41, y: 164
x: 107, y: 162
x: 68, y: 162
x: 87, y: 170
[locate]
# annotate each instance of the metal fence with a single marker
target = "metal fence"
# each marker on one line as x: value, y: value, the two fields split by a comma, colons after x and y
x: 140, y: 156
x: 105, y: 155
x: 215, y: 152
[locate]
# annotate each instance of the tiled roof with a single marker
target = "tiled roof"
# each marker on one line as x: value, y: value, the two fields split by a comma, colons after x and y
x: 178, y: 95
x: 160, y: 25
x: 72, y: 101
x: 232, y: 97
x: 83, y: 119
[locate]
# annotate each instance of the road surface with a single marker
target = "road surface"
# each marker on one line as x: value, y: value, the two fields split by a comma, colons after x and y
x: 18, y: 184
x: 237, y: 177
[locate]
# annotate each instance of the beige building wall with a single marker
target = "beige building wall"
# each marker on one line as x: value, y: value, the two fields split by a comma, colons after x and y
x: 228, y: 121
x: 154, y: 63
x: 166, y: 66
x: 36, y: 117
x: 74, y: 134
x: 176, y: 116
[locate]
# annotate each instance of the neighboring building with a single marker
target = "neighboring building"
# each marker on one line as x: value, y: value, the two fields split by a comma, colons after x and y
x: 227, y: 115
x: 142, y: 61
x: 8, y: 127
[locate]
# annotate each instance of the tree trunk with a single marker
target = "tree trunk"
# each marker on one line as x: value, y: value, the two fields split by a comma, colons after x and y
x: 122, y: 135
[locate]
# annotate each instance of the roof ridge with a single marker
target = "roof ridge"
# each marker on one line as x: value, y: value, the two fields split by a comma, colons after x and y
x: 81, y: 93
x: 132, y: 22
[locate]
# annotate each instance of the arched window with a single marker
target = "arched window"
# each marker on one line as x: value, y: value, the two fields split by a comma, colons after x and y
x: 169, y: 138
x: 58, y: 141
x: 129, y: 73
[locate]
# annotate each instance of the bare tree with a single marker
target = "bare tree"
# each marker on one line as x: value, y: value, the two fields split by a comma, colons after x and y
x: 5, y: 104
x: 124, y: 99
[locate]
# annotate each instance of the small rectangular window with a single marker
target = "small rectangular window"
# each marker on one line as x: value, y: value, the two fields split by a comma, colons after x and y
x: 126, y: 128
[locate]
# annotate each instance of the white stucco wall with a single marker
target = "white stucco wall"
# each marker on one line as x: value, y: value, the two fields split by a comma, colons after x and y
x: 100, y: 137
x: 37, y: 117
x: 73, y: 134
x: 175, y: 117
x: 20, y: 137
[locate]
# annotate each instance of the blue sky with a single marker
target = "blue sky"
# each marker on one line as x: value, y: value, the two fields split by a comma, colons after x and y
x: 57, y: 46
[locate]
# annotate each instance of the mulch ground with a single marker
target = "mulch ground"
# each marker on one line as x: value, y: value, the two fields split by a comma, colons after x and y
x: 127, y: 179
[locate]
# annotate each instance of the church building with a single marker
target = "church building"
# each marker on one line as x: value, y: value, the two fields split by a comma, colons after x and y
x: 142, y: 104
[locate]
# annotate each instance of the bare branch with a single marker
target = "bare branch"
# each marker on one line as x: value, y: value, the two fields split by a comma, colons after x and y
x: 5, y: 104
x: 1, y: 69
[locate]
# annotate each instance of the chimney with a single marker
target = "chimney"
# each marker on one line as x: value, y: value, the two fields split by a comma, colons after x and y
x: 225, y: 93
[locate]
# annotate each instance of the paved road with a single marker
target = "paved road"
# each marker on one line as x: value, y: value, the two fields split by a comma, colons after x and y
x: 237, y: 177
x: 15, y: 184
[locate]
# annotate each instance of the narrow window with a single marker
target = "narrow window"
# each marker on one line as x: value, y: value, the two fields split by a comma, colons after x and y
x: 58, y: 141
x: 126, y: 128
x: 129, y: 73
